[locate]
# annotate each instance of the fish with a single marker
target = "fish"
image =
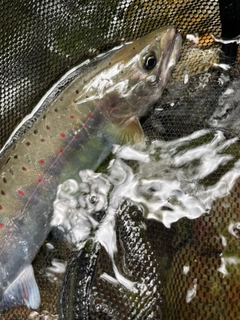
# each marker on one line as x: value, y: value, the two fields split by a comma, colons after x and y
x: 75, y: 130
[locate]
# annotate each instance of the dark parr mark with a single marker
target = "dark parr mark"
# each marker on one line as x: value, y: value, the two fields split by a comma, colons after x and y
x: 16, y: 156
x: 47, y: 127
x: 4, y: 180
x: 35, y: 131
x: 3, y: 193
x: 24, y: 168
x: 56, y: 109
x: 77, y: 91
x: 28, y: 143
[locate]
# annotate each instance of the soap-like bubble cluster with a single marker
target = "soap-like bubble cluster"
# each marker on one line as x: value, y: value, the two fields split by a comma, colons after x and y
x: 78, y: 203
x: 168, y: 181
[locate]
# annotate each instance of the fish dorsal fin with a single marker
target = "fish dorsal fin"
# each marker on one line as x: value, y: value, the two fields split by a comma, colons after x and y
x: 23, y: 290
x: 131, y: 132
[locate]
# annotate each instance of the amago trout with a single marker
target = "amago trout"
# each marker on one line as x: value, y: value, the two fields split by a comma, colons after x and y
x: 76, y: 131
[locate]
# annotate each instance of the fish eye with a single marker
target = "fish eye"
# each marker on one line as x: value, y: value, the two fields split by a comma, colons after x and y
x: 149, y: 61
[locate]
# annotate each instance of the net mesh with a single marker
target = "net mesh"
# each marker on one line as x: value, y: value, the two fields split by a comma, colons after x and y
x: 41, y: 40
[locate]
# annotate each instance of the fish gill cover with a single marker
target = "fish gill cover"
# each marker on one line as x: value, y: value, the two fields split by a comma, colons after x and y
x: 194, y: 264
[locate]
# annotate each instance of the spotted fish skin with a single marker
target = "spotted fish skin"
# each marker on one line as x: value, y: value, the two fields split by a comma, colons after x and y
x: 76, y: 131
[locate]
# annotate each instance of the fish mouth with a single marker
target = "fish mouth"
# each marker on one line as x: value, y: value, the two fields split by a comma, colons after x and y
x: 172, y: 55
x: 175, y: 50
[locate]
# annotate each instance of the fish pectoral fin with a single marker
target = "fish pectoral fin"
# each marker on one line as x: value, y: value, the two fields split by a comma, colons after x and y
x: 131, y: 132
x: 23, y: 290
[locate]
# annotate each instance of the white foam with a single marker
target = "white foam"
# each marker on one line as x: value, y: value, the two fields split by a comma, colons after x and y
x: 186, y: 269
x: 233, y: 227
x: 166, y: 181
x: 227, y: 261
x: 192, y: 292
x: 192, y: 37
x: 234, y: 40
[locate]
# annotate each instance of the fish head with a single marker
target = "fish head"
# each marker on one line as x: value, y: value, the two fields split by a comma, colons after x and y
x: 142, y: 69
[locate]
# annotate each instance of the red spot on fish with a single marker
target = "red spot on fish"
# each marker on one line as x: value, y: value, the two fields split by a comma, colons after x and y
x: 75, y: 137
x: 62, y: 134
x: 39, y: 180
x: 25, y: 296
x: 3, y: 193
x: 41, y: 161
x: 1, y: 207
x: 11, y: 171
x: 47, y: 127
x: 61, y: 150
x: 71, y: 117
x: 90, y: 116
x: 1, y: 225
x: 24, y: 168
x: 42, y: 140
x: 21, y: 193
x: 55, y: 163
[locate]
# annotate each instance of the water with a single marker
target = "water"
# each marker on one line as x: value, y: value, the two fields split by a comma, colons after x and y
x: 171, y: 180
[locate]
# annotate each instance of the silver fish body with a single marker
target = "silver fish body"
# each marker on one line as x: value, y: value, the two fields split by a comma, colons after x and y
x: 75, y: 132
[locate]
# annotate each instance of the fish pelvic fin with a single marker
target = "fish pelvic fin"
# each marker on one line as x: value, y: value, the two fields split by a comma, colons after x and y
x: 131, y: 132
x: 23, y: 290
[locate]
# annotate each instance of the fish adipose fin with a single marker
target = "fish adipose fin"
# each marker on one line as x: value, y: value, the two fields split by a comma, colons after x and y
x: 131, y: 132
x: 23, y: 290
